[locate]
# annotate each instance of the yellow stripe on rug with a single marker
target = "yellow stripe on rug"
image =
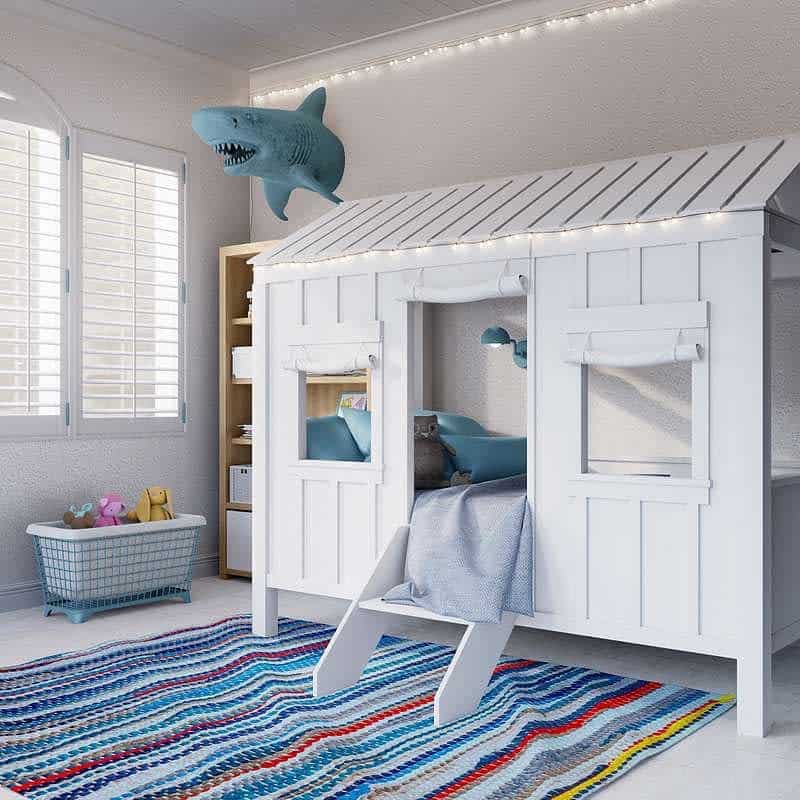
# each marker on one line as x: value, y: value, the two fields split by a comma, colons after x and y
x: 654, y: 738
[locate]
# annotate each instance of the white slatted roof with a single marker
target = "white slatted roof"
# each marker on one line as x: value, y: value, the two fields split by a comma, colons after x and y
x: 731, y: 177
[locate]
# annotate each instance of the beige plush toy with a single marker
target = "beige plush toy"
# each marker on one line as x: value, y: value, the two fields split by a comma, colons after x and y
x: 154, y: 505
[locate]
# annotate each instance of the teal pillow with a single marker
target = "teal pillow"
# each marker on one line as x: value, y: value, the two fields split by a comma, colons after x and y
x: 360, y: 423
x: 488, y: 458
x: 455, y: 424
x: 329, y: 439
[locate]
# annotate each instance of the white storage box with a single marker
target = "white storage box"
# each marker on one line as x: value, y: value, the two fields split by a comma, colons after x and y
x: 239, y: 540
x: 240, y: 483
x: 91, y: 569
x: 242, y: 362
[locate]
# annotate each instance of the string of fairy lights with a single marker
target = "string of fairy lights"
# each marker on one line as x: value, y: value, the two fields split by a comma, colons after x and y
x: 526, y: 31
x: 530, y: 236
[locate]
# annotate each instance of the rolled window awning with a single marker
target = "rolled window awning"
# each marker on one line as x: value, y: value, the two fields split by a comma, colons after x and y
x: 329, y: 364
x: 627, y: 358
x: 515, y: 285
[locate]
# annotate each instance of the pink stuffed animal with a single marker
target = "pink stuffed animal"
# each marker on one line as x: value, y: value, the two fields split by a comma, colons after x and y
x: 110, y: 508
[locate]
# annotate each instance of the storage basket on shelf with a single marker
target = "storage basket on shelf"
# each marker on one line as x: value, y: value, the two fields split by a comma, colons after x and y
x: 94, y: 569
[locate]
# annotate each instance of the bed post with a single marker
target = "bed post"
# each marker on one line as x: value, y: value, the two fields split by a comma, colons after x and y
x: 265, y: 600
x: 754, y: 664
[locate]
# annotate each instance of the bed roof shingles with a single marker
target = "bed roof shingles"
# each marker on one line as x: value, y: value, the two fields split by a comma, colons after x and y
x: 731, y: 177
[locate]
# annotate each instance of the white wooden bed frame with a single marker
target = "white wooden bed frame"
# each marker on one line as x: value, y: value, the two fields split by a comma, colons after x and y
x: 633, y: 252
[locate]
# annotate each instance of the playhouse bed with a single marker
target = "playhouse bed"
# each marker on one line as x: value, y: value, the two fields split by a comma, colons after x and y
x: 670, y: 258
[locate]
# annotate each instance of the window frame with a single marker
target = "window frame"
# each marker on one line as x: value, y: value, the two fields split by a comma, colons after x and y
x: 32, y: 106
x: 689, y: 319
x: 93, y: 143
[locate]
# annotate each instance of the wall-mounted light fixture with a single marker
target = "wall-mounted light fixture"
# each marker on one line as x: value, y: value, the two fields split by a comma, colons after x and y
x: 497, y: 337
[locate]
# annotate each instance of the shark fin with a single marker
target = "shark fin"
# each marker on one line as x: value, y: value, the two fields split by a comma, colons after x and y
x: 277, y: 195
x: 305, y: 178
x: 314, y: 104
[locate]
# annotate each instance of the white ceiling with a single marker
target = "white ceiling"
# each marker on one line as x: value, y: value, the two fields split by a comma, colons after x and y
x: 255, y: 33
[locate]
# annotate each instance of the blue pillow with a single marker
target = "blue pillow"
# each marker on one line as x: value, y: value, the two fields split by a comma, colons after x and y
x: 455, y: 424
x: 360, y: 423
x: 488, y: 458
x: 329, y: 439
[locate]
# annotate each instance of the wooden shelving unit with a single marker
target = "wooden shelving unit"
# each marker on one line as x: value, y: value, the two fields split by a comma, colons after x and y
x: 235, y: 395
x: 323, y: 391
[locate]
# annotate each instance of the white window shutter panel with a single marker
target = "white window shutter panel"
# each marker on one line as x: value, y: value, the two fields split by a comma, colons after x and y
x: 32, y: 330
x: 131, y: 328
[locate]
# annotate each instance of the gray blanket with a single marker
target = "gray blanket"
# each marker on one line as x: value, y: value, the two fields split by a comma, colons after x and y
x: 470, y: 552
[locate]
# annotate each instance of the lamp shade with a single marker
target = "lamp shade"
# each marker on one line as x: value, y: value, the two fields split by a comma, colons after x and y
x: 495, y: 336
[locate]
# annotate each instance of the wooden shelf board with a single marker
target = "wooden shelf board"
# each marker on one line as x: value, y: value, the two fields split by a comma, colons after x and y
x: 242, y: 440
x: 357, y: 379
x: 242, y: 381
x: 237, y: 573
x: 238, y: 507
x: 242, y: 321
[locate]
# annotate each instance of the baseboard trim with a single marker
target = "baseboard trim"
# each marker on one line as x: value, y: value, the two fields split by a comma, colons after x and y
x: 206, y: 565
x: 25, y: 594
x: 28, y: 594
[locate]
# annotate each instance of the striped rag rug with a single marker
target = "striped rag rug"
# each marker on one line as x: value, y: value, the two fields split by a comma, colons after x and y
x: 215, y: 712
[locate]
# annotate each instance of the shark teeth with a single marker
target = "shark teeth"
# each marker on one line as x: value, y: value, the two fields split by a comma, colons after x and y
x: 235, y: 153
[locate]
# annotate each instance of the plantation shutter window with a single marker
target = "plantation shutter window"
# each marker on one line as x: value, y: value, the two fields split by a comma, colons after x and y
x: 132, y: 317
x: 32, y: 257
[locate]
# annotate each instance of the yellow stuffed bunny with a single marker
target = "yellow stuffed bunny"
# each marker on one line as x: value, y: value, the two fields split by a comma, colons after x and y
x: 154, y: 505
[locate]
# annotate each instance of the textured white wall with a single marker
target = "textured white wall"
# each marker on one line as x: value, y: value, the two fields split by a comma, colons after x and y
x: 149, y: 97
x: 786, y: 371
x: 468, y: 378
x: 681, y: 74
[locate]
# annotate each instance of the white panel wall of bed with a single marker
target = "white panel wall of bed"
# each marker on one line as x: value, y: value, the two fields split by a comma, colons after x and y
x: 681, y: 562
x: 631, y: 562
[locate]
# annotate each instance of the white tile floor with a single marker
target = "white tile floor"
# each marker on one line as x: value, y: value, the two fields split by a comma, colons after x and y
x: 713, y: 763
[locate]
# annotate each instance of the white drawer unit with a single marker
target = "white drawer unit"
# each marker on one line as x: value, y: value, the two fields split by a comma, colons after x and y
x: 239, y: 555
x: 242, y: 362
x: 240, y: 483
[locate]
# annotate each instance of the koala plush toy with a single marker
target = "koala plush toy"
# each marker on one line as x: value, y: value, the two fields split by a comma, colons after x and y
x: 431, y: 456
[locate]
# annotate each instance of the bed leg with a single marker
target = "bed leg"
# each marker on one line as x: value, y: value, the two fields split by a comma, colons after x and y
x: 753, y: 695
x: 265, y: 610
x: 471, y: 669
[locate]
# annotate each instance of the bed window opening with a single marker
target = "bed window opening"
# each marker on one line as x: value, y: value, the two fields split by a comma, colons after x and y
x: 470, y: 425
x: 338, y: 415
x: 638, y: 419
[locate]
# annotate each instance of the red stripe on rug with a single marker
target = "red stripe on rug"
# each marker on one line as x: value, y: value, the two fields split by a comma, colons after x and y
x: 314, y: 738
x: 505, y: 758
x: 76, y: 769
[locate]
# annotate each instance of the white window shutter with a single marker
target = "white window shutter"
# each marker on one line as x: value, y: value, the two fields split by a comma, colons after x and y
x: 32, y: 305
x: 131, y: 306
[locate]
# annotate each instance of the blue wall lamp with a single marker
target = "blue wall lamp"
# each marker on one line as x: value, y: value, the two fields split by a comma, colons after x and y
x: 497, y: 337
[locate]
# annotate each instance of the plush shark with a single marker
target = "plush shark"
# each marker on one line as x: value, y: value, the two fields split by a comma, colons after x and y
x: 287, y: 149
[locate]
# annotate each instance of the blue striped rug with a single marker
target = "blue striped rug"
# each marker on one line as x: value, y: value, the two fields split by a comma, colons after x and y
x: 215, y: 712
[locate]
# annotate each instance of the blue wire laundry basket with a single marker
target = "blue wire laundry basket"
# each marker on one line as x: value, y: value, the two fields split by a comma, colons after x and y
x: 95, y: 569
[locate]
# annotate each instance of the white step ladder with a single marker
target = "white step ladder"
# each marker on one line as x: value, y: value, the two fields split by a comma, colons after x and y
x: 366, y: 621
